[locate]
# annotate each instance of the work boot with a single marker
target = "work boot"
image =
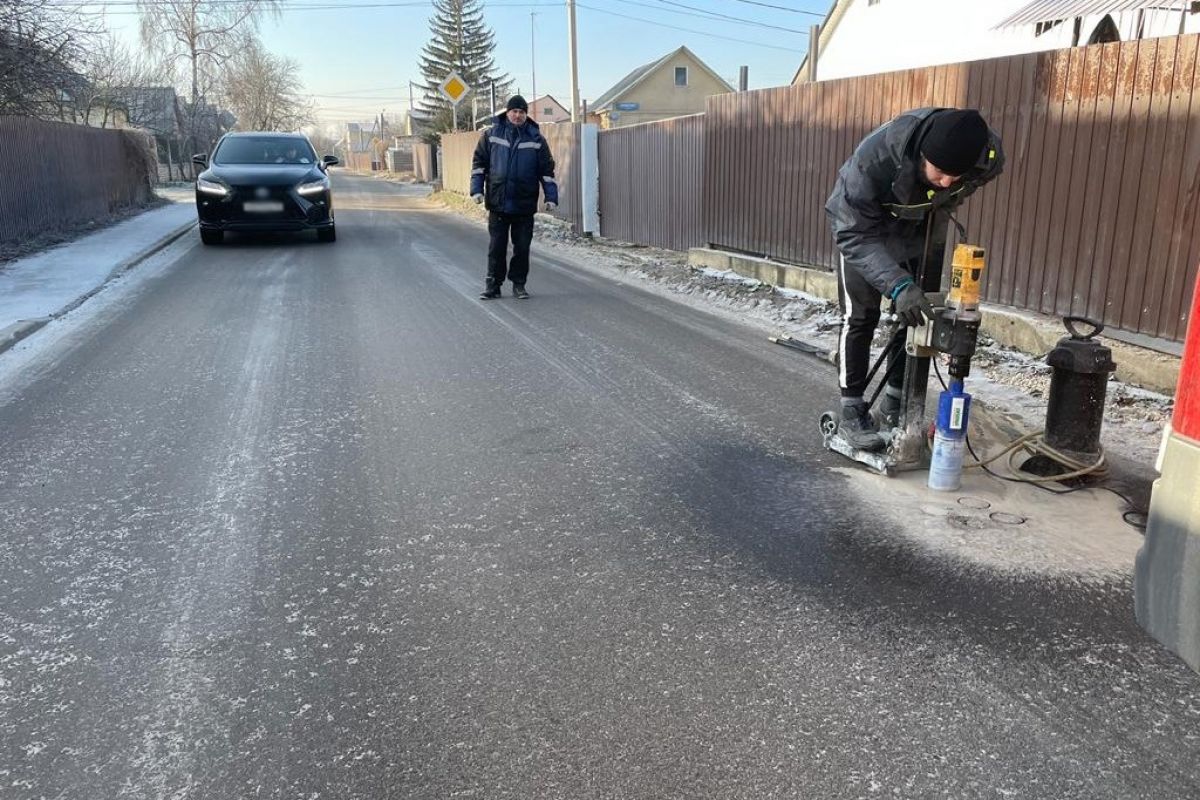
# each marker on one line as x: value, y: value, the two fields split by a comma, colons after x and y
x: 857, y: 428
x: 519, y: 291
x: 889, y: 410
x: 491, y: 291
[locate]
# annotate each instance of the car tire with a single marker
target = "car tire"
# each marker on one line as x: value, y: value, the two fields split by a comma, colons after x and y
x: 327, y: 234
x: 212, y: 237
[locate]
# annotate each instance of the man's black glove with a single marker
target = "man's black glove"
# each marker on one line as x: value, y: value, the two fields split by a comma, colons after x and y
x: 911, y: 305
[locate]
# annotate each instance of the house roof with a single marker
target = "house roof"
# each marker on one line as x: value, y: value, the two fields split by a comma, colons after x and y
x: 549, y: 97
x: 1050, y: 10
x: 641, y: 73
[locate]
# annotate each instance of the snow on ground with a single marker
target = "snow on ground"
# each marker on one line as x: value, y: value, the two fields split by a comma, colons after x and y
x: 31, y: 358
x: 41, y: 285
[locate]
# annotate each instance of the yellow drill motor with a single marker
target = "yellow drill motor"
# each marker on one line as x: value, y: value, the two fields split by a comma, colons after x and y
x: 966, y: 272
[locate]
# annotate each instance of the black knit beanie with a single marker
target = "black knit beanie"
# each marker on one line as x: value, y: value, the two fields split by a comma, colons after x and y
x: 955, y: 140
x: 516, y: 101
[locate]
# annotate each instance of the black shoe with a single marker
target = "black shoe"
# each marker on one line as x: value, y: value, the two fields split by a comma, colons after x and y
x: 858, y: 430
x: 490, y: 293
x: 519, y: 291
x: 888, y: 415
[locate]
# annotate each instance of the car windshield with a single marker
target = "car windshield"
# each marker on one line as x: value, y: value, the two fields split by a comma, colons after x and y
x: 264, y: 150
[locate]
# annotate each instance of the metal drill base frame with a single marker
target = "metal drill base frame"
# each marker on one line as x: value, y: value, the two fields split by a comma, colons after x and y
x: 903, y: 452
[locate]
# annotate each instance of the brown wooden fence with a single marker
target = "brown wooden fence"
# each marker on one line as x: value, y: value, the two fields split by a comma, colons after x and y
x: 57, y: 175
x: 1096, y: 213
x: 651, y: 179
x: 563, y: 139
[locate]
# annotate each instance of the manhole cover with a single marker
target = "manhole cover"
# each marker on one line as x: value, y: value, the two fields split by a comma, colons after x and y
x: 1005, y: 518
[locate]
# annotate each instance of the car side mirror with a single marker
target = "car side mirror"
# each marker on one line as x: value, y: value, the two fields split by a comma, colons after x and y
x: 329, y: 161
x: 201, y: 159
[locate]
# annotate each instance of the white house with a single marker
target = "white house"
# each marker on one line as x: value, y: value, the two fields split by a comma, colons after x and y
x: 863, y: 37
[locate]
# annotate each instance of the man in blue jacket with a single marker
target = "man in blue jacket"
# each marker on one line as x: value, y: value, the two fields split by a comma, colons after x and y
x: 511, y: 161
x: 893, y: 197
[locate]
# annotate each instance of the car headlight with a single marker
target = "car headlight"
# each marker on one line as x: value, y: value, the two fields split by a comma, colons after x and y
x: 313, y: 187
x: 211, y: 187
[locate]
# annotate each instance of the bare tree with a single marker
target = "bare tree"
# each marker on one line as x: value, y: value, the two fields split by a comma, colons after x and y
x: 263, y: 90
x: 112, y: 72
x: 41, y: 44
x: 203, y: 35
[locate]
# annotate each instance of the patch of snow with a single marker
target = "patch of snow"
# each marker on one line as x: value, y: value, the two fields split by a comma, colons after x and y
x: 43, y: 284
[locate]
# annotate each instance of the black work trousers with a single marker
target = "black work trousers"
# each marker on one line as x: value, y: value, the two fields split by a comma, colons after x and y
x: 501, y: 227
x: 860, y: 303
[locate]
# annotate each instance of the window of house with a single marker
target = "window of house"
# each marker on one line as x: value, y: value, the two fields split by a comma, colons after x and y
x: 1048, y: 25
x: 548, y: 111
x: 681, y: 76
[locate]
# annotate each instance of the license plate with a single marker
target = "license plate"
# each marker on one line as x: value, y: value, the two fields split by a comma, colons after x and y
x: 262, y: 206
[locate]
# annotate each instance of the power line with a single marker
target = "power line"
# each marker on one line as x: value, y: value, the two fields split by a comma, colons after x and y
x: 105, y: 6
x: 714, y: 15
x: 782, y: 8
x: 686, y: 30
x: 288, y: 5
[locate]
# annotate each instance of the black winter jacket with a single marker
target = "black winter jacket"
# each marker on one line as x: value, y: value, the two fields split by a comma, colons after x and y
x: 511, y: 162
x: 880, y: 205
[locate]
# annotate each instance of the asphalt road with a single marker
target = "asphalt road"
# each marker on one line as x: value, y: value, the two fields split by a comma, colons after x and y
x: 312, y: 521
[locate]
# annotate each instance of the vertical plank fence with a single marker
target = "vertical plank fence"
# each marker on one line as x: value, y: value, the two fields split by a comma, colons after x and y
x: 650, y: 183
x: 1096, y: 213
x: 57, y: 175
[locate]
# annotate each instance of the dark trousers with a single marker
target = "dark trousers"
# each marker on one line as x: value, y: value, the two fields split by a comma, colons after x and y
x: 860, y: 303
x: 501, y: 227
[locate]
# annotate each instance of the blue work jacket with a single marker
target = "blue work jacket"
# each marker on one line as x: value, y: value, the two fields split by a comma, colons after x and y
x: 509, y: 165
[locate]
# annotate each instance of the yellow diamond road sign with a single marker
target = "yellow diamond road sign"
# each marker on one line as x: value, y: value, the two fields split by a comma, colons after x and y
x: 454, y: 88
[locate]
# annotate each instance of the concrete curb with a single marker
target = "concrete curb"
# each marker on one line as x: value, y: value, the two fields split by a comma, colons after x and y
x: 1029, y: 333
x: 23, y: 328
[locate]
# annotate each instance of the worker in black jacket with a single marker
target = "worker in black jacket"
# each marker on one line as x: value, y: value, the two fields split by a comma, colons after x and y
x: 511, y: 161
x: 902, y: 182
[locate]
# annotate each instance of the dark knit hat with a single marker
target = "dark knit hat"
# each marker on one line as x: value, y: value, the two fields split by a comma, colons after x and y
x: 516, y: 101
x: 955, y: 140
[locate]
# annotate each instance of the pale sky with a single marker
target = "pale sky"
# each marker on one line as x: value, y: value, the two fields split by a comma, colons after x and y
x: 357, y: 56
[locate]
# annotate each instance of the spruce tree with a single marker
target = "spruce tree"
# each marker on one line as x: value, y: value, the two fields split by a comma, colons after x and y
x: 459, y: 42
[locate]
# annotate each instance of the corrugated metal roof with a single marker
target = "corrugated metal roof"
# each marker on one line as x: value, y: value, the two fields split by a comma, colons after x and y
x: 1049, y: 10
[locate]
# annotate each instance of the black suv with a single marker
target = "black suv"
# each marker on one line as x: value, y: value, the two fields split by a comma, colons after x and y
x: 264, y: 182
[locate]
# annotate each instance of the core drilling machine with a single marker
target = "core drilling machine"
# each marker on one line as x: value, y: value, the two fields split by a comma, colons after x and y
x: 953, y: 331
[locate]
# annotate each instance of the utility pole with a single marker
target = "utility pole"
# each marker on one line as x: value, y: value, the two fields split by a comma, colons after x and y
x: 533, y: 61
x: 743, y: 78
x: 814, y: 48
x: 574, y: 63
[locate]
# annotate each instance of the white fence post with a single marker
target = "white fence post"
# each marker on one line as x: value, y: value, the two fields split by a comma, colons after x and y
x: 589, y: 172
